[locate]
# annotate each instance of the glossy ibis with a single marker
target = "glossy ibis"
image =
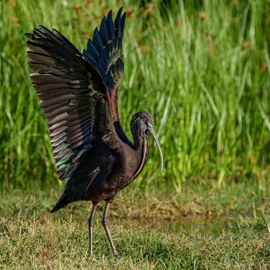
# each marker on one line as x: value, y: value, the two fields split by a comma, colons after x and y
x: 78, y: 93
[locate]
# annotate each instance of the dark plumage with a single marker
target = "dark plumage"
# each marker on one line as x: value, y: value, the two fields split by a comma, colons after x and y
x: 78, y: 93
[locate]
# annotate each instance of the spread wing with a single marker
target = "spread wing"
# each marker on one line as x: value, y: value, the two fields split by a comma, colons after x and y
x: 72, y: 95
x: 104, y: 51
x: 78, y: 92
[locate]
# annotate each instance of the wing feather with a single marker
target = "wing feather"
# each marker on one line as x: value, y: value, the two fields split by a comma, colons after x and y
x: 104, y: 51
x: 68, y: 88
x: 78, y: 92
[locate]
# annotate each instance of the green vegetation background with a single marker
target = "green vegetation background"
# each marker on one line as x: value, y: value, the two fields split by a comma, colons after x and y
x: 200, y: 67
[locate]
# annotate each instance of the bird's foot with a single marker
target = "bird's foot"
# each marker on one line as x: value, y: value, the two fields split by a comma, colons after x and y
x: 115, y: 253
x: 90, y: 253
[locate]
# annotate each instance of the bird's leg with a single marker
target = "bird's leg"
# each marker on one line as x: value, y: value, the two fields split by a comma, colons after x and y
x: 90, y: 229
x: 104, y: 223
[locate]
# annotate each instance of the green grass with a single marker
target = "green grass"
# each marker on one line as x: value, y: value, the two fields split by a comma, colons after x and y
x: 202, y: 69
x: 200, y: 229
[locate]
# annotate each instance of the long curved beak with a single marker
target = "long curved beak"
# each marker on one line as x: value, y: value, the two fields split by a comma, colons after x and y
x: 151, y: 130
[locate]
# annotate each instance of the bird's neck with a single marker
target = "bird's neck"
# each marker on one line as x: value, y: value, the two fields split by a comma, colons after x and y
x: 139, y: 139
x: 121, y: 134
x: 140, y: 146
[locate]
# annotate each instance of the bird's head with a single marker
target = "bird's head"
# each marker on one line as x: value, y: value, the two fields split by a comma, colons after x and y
x: 142, y: 123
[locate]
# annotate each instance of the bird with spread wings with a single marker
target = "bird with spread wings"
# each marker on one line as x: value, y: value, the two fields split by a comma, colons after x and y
x: 79, y: 96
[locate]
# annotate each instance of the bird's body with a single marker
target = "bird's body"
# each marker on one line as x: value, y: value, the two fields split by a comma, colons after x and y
x: 78, y: 93
x: 103, y: 171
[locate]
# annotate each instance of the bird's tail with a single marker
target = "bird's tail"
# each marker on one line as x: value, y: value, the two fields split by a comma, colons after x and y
x: 62, y: 202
